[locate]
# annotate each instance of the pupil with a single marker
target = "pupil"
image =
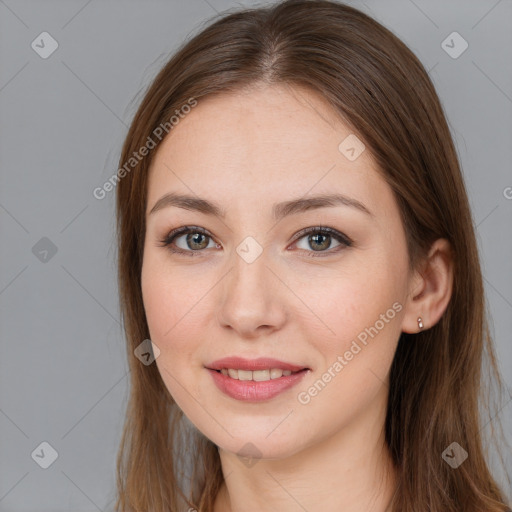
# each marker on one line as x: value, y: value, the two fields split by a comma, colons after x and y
x: 315, y: 238
x: 193, y: 238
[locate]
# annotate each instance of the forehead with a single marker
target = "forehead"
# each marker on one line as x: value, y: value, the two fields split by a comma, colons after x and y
x: 263, y: 144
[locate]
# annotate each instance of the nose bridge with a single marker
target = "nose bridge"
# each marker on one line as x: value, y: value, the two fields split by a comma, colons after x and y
x: 249, y: 295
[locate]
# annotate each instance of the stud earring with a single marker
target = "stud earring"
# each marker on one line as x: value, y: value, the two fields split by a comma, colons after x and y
x: 420, y: 323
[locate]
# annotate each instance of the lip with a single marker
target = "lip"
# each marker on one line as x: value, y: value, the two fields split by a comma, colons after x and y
x: 254, y: 391
x: 261, y: 363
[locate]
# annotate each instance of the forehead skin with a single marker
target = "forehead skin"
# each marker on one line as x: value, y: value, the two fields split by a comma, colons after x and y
x: 250, y: 149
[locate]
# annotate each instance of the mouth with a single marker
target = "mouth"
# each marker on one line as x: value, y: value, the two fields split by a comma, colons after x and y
x: 255, y: 380
x: 260, y: 369
x: 257, y: 375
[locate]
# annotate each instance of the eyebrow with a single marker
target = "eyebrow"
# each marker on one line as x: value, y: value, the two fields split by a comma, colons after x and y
x: 279, y: 210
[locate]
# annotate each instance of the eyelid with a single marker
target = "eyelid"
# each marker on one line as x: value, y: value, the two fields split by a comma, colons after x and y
x: 323, y: 229
x: 343, y: 239
x: 183, y: 230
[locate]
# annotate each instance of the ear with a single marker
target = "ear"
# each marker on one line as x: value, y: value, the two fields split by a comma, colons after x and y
x: 430, y: 288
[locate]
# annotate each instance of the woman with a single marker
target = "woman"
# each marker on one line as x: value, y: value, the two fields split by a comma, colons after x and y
x: 295, y: 240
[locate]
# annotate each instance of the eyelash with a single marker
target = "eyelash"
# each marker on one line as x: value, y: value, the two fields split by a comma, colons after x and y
x: 340, y: 237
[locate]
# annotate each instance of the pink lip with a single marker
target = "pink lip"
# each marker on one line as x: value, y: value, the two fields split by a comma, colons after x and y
x: 262, y: 363
x: 254, y: 391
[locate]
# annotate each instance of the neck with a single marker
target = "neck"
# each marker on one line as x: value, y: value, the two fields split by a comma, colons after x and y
x: 350, y: 470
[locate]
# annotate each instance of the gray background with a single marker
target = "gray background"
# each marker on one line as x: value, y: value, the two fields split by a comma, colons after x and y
x: 63, y: 369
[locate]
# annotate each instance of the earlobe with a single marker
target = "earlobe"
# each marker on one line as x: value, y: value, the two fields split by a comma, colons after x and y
x: 431, y: 290
x: 411, y: 326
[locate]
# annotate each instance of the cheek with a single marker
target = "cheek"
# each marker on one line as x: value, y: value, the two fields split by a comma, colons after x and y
x: 355, y: 301
x: 170, y: 297
x: 356, y: 361
x: 364, y: 310
x: 170, y: 317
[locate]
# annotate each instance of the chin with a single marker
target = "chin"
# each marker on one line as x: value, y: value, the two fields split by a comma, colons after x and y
x: 254, y: 444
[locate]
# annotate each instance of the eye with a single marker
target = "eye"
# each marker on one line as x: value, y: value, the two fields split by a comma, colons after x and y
x: 196, y: 239
x: 319, y: 238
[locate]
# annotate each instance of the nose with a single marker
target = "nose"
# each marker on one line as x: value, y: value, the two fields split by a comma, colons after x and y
x: 252, y: 298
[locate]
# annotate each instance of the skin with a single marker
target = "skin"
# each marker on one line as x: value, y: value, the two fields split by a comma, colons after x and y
x: 246, y: 151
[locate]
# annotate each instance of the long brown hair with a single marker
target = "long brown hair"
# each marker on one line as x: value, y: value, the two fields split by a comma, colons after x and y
x: 380, y: 89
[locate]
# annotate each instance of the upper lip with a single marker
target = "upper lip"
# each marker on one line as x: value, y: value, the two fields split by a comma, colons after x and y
x: 261, y: 363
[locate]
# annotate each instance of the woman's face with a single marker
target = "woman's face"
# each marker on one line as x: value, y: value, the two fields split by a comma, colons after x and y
x: 249, y: 284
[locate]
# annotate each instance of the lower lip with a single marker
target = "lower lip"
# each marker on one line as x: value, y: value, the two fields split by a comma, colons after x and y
x: 255, y: 391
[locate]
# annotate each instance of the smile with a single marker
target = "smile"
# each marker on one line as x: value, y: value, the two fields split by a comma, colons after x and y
x: 257, y: 375
x: 245, y: 386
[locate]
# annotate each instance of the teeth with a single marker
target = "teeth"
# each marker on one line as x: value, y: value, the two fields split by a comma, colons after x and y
x: 257, y: 375
x: 244, y: 375
x: 261, y: 375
